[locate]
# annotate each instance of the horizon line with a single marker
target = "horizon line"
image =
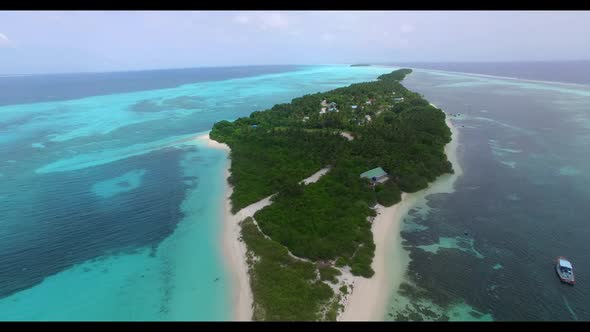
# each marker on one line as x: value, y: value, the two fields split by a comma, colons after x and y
x: 291, y: 64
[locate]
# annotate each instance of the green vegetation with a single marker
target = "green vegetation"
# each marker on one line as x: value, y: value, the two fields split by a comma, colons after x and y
x: 388, y: 193
x: 264, y: 161
x: 405, y: 138
x: 273, y: 150
x: 333, y: 309
x: 328, y: 273
x: 340, y: 262
x: 397, y: 75
x: 284, y: 288
x: 344, y: 289
x: 325, y: 220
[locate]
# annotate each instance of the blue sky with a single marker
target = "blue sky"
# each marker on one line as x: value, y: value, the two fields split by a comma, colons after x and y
x: 52, y: 41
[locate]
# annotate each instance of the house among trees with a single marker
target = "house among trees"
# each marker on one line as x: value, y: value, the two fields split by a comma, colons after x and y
x: 398, y: 99
x: 354, y: 107
x: 333, y: 107
x: 328, y: 107
x: 376, y: 175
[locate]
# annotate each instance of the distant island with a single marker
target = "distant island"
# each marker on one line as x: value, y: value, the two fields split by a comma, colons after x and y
x: 358, y: 148
x: 360, y: 65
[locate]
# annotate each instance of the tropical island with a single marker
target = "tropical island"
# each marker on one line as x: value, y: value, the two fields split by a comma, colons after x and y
x: 359, y: 148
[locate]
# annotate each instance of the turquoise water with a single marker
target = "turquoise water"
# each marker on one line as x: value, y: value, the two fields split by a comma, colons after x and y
x: 123, y: 183
x: 110, y: 213
x: 172, y: 282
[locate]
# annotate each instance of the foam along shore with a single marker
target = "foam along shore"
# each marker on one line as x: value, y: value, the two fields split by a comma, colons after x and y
x: 369, y: 298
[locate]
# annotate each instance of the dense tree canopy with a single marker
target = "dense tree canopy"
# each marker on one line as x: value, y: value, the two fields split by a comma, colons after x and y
x: 285, y: 288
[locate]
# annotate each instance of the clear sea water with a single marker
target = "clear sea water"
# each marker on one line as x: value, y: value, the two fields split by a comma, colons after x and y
x: 487, y: 251
x: 106, y: 211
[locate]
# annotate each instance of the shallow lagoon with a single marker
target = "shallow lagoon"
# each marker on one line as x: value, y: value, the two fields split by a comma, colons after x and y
x: 110, y: 213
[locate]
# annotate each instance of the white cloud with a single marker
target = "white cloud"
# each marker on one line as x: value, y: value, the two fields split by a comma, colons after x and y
x: 405, y: 28
x: 273, y: 21
x: 263, y: 20
x: 344, y: 27
x: 242, y: 19
x: 4, y: 41
x: 328, y: 36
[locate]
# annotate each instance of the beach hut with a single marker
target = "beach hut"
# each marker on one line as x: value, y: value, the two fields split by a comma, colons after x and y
x: 376, y: 175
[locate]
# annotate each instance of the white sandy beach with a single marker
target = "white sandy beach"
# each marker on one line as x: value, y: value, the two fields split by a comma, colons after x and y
x: 234, y: 249
x: 369, y: 298
x: 235, y: 253
x: 211, y: 143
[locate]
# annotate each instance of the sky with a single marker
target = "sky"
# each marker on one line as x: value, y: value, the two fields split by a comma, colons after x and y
x: 89, y: 41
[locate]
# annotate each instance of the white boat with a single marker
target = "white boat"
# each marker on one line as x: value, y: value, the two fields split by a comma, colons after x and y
x: 565, y: 270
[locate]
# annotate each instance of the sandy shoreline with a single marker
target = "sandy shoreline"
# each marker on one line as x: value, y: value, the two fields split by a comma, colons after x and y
x: 235, y: 253
x: 368, y: 301
x: 234, y: 250
x: 211, y: 143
